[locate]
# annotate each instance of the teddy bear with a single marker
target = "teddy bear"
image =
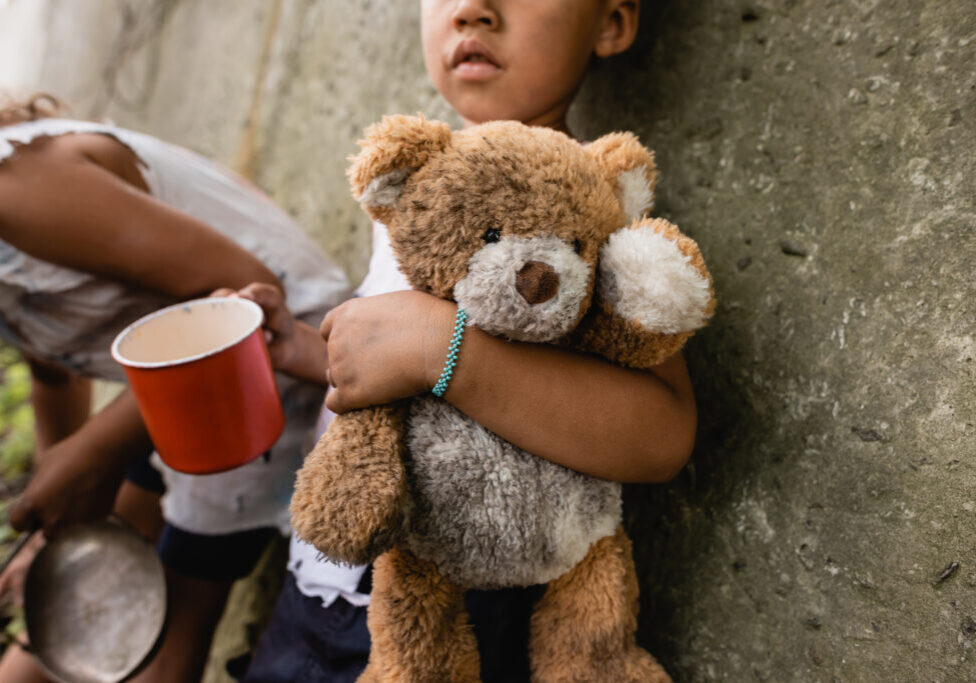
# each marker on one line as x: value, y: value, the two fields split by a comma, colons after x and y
x: 539, y: 239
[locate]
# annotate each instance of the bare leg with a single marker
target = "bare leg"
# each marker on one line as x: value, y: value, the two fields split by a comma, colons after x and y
x: 418, y: 625
x: 195, y: 607
x: 583, y: 627
x: 140, y: 508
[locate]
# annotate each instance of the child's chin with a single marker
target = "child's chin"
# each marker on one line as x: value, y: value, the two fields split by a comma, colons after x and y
x: 474, y: 109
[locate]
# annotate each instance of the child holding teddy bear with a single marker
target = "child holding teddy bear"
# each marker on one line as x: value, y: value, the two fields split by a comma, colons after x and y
x: 491, y: 60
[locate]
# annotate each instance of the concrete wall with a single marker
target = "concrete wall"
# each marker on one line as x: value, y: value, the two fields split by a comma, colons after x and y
x: 822, y: 153
x: 278, y: 89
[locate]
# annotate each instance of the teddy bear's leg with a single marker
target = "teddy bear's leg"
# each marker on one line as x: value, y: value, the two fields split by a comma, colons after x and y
x: 583, y: 626
x: 351, y: 493
x: 418, y: 625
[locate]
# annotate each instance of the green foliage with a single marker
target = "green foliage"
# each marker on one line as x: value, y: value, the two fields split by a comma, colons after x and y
x: 16, y: 416
x: 16, y: 449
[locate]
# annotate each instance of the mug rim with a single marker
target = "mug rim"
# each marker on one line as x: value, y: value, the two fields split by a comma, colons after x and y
x: 233, y: 300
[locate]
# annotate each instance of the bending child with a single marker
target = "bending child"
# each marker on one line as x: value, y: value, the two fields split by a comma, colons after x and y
x: 98, y: 226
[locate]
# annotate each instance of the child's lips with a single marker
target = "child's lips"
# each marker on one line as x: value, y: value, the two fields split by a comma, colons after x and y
x: 471, y: 60
x: 475, y: 70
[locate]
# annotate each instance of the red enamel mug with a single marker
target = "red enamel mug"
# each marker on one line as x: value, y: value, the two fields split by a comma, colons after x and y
x: 201, y: 374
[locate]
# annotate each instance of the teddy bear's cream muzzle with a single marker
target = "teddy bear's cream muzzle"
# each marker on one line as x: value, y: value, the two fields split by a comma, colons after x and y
x: 525, y: 288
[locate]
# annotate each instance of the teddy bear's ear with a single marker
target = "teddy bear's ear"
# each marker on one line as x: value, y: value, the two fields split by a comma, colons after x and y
x: 392, y: 150
x: 629, y: 166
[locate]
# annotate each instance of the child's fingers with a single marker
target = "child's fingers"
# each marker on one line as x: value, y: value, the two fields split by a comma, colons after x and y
x: 13, y: 577
x: 334, y: 401
x: 261, y: 293
x: 254, y: 292
x: 272, y: 302
x: 264, y: 295
x: 325, y: 329
x: 22, y: 515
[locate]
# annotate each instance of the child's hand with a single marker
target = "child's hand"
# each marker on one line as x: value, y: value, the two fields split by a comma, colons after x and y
x: 72, y: 484
x: 383, y: 348
x: 279, y: 324
x: 295, y: 348
x: 13, y: 577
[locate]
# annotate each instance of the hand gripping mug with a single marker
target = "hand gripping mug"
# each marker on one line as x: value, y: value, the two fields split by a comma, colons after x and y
x: 201, y: 374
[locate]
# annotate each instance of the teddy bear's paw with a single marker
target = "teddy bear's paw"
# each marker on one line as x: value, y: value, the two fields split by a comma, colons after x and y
x: 351, y: 496
x: 346, y: 523
x: 655, y: 277
x: 634, y: 666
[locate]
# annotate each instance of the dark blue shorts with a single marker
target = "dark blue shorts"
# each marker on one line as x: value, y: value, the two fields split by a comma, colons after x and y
x: 214, y: 557
x: 145, y: 476
x: 307, y: 642
x: 310, y: 643
x: 501, y: 624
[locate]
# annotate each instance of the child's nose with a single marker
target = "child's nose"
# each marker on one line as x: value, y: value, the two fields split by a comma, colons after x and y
x: 474, y: 13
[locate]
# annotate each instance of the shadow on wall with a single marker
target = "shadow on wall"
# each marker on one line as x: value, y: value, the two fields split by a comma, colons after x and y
x: 614, y: 86
x: 673, y: 525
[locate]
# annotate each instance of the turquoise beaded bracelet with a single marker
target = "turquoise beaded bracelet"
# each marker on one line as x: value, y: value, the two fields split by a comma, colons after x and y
x: 452, y: 353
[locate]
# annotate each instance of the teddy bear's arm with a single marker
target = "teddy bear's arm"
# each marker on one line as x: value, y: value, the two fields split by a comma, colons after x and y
x: 351, y: 494
x: 653, y: 291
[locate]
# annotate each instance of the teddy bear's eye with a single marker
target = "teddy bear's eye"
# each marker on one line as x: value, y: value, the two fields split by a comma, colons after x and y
x: 492, y: 235
x: 577, y: 246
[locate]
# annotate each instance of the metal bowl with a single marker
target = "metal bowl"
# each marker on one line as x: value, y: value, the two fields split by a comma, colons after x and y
x: 95, y: 603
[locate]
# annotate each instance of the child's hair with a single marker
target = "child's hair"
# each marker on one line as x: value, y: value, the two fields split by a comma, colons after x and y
x: 38, y: 106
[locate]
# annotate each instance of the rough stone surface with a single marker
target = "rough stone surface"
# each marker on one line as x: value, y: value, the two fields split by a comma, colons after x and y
x: 822, y: 153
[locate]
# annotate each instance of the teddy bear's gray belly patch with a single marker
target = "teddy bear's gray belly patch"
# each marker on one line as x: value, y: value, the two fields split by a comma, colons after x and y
x: 491, y: 515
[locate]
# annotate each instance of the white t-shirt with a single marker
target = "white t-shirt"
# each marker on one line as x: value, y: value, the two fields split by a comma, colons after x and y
x: 70, y: 317
x: 319, y: 577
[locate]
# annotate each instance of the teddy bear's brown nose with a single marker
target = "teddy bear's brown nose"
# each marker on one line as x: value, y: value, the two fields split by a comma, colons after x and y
x: 537, y: 282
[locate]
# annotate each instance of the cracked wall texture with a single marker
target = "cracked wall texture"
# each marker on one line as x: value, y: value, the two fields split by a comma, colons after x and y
x: 822, y: 154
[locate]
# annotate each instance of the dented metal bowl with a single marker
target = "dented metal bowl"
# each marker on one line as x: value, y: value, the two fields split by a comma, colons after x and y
x: 95, y: 603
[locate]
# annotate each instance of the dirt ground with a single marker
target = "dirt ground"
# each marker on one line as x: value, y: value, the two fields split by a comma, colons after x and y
x: 248, y: 609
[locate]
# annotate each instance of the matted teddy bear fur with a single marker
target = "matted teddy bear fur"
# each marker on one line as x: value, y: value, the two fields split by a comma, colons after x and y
x: 539, y: 239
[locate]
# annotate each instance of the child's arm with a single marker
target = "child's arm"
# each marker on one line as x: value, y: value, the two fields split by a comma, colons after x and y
x: 59, y: 205
x: 78, y: 476
x: 571, y: 408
